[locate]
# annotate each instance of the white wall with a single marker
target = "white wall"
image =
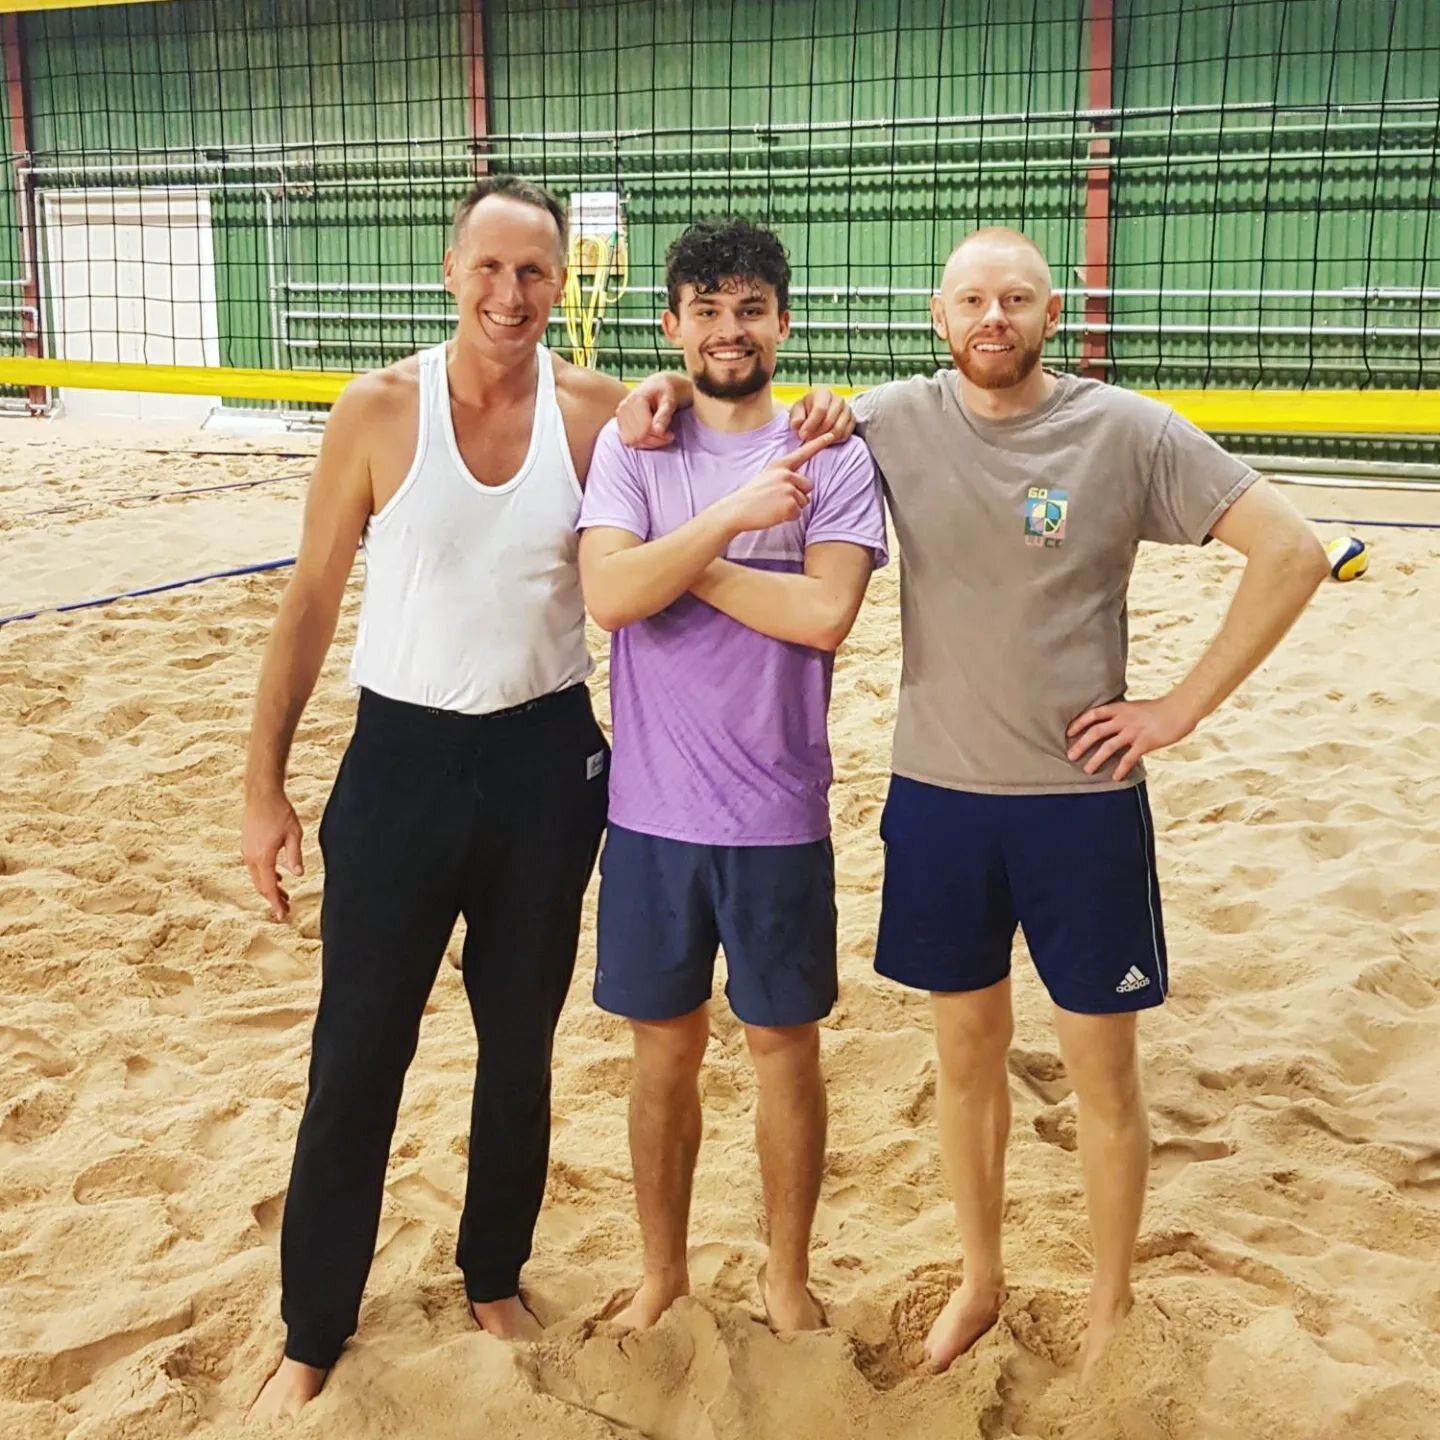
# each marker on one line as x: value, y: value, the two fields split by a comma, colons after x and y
x: 130, y: 277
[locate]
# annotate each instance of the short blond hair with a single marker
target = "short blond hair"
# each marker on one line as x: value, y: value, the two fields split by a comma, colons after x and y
x: 1000, y: 235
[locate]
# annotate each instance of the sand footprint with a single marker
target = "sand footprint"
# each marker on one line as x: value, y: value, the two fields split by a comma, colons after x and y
x: 1170, y: 1157
x: 274, y: 961
x: 40, y: 1376
x: 196, y: 662
x: 268, y: 1017
x: 1310, y: 1307
x: 919, y: 1110
x: 122, y: 898
x: 400, y: 1246
x: 132, y: 1174
x: 424, y: 1198
x: 149, y: 1077
x: 171, y: 992
x: 34, y: 1051
x: 1424, y: 1178
x: 1057, y: 1125
x: 1042, y: 1073
x: 267, y: 1216
x: 1398, y: 980
x: 37, y: 1113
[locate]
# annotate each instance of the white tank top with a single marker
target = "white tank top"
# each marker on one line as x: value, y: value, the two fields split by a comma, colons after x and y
x: 472, y: 592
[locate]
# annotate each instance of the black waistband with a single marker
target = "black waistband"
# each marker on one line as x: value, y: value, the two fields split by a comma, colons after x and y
x: 373, y: 708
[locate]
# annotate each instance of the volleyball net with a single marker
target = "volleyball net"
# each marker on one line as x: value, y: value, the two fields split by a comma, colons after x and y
x: 248, y: 200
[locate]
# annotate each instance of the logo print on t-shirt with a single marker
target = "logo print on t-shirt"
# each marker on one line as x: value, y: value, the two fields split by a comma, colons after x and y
x: 1045, y: 512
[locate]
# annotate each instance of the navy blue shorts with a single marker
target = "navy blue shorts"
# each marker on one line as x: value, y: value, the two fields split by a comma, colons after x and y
x: 1076, y: 872
x: 667, y: 905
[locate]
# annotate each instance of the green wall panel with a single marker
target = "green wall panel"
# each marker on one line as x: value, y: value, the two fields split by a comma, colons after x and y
x: 339, y: 113
x: 1317, y: 196
x: 1276, y: 145
x: 750, y: 109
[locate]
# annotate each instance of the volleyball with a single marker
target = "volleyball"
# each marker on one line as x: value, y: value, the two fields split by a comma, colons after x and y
x: 1349, y: 557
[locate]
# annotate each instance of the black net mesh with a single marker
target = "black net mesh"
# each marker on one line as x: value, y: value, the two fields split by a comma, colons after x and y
x: 1231, y: 192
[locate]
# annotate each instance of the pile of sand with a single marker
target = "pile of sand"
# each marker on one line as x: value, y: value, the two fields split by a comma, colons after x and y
x: 155, y: 1030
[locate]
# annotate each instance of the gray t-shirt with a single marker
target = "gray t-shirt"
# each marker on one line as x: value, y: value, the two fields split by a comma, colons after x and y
x: 1017, y: 539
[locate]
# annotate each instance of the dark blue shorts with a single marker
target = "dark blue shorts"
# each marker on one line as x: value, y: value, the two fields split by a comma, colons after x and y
x: 1076, y: 872
x: 667, y: 905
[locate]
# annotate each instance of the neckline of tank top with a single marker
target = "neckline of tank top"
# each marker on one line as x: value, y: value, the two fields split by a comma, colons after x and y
x: 544, y: 389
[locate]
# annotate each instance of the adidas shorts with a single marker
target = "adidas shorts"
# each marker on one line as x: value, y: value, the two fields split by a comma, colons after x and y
x: 1076, y: 873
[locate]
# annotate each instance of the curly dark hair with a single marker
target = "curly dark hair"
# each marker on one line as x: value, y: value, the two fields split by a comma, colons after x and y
x: 711, y: 252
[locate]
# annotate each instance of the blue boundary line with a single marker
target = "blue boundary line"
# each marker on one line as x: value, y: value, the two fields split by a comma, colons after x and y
x: 1365, y: 524
x: 266, y: 565
x: 263, y: 566
x: 130, y: 500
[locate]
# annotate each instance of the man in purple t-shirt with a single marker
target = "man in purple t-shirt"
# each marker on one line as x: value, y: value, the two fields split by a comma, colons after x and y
x: 729, y: 566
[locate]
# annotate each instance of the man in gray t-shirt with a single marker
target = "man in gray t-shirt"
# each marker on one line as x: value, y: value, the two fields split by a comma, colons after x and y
x: 1019, y: 499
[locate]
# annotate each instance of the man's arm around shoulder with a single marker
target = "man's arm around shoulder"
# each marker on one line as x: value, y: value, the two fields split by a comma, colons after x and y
x: 588, y: 400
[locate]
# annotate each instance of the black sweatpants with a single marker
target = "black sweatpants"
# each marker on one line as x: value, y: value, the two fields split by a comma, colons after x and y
x: 435, y: 814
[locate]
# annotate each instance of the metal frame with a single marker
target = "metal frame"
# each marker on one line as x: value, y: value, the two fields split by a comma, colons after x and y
x: 472, y: 30
x: 1097, y: 192
x: 38, y: 399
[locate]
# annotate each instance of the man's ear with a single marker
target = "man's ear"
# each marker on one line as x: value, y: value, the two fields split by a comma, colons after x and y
x: 784, y: 326
x: 449, y: 269
x: 937, y: 318
x: 670, y: 324
x: 1052, y: 315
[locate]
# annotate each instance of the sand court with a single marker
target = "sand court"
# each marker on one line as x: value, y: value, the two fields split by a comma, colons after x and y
x: 155, y: 1030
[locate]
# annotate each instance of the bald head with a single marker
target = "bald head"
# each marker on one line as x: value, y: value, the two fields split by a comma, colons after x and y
x: 995, y: 250
x: 996, y: 308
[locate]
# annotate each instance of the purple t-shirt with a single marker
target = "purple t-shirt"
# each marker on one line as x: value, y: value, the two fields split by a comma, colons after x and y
x: 720, y: 733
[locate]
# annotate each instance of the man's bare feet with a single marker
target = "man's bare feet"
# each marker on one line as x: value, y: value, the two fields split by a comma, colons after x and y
x: 654, y: 1297
x: 790, y: 1305
x: 1107, y: 1314
x: 509, y: 1319
x: 970, y: 1311
x: 292, y: 1387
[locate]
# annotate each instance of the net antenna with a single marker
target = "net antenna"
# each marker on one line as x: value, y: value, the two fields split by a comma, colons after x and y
x: 598, y: 269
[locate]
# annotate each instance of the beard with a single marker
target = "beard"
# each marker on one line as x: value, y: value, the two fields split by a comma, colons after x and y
x: 999, y: 372
x: 750, y: 383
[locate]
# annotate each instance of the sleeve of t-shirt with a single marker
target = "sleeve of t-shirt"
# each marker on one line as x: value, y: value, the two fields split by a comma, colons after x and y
x: 865, y: 408
x: 847, y: 505
x: 614, y: 488
x: 1193, y: 482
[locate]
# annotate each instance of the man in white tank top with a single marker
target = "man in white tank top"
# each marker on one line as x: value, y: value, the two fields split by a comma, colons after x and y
x: 476, y: 779
x: 475, y: 782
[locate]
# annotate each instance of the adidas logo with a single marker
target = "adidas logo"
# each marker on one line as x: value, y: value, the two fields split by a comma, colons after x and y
x: 1134, y: 979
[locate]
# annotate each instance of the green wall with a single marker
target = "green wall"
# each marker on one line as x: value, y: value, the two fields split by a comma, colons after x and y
x: 1325, y: 196
x: 349, y: 120
x: 280, y: 104
x: 858, y: 207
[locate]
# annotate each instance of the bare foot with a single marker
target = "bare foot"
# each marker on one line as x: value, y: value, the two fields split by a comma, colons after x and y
x: 968, y: 1314
x: 650, y: 1302
x: 1106, y: 1317
x: 287, y: 1391
x: 510, y: 1319
x: 789, y: 1305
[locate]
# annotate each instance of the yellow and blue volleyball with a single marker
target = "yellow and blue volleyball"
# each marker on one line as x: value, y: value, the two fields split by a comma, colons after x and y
x: 1349, y: 557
